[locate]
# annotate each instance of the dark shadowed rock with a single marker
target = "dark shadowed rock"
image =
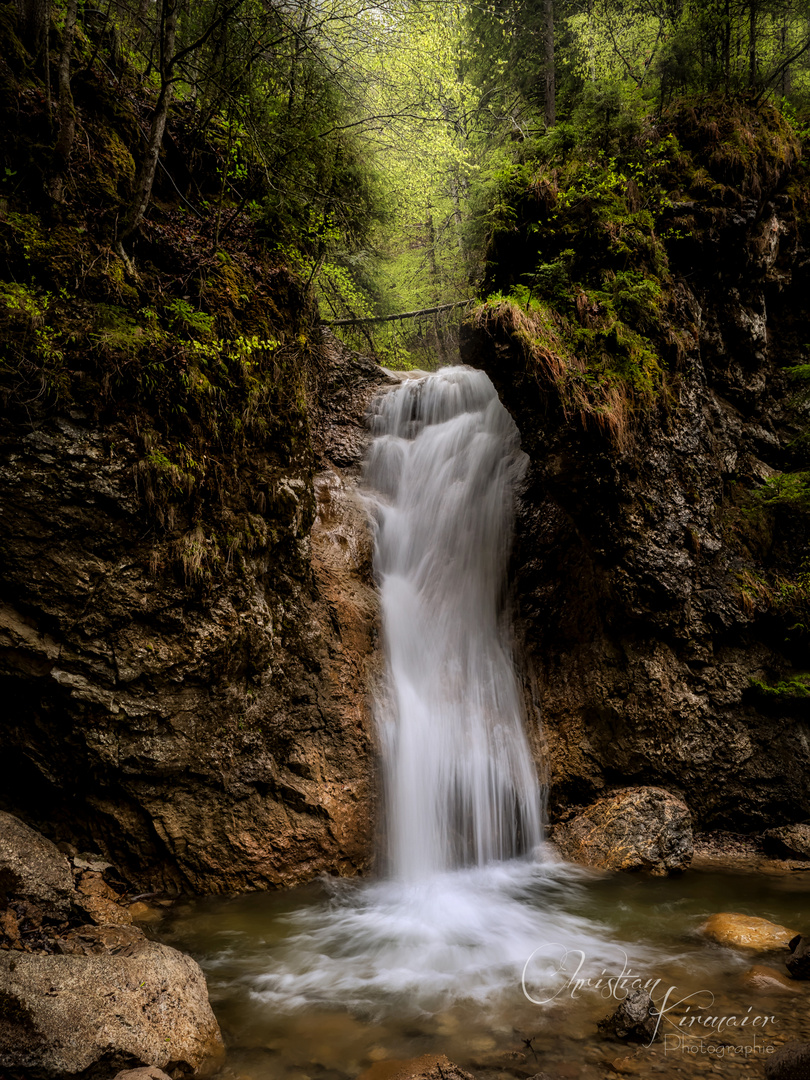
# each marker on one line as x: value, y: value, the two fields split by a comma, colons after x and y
x: 635, y: 1020
x: 62, y: 1015
x: 791, y: 1062
x: 32, y: 868
x: 788, y: 842
x: 637, y: 829
x: 798, y: 963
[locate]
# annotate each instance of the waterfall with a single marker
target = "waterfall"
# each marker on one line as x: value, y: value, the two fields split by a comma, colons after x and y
x: 459, y: 782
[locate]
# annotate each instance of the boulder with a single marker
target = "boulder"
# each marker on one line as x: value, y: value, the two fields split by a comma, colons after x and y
x: 788, y: 842
x: 798, y: 963
x: 62, y: 1015
x: 790, y: 1062
x: 426, y: 1067
x: 32, y: 868
x: 148, y: 1073
x: 635, y: 1020
x: 636, y: 829
x: 746, y: 932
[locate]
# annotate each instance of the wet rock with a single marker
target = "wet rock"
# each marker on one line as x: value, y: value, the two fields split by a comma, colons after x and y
x: 746, y: 932
x: 216, y: 734
x: 100, y: 901
x: 426, y: 1067
x: 61, y: 1015
x: 33, y: 868
x: 798, y: 963
x: 141, y: 912
x: 148, y: 1073
x: 768, y: 980
x: 637, y: 829
x: 635, y: 1020
x: 790, y: 1062
x: 788, y: 842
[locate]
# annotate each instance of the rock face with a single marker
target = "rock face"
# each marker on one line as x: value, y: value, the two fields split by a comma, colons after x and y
x: 638, y: 829
x: 788, y: 842
x: 635, y: 573
x: 66, y: 1015
x: 211, y: 733
x: 746, y: 932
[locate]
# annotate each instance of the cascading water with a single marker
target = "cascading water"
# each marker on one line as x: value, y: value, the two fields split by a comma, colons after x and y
x: 468, y: 892
x: 460, y: 784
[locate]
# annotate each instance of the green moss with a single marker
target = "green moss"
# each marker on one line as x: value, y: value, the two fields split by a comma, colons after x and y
x: 796, y: 688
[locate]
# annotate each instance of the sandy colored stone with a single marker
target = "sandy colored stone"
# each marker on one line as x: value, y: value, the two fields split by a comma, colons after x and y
x: 32, y: 867
x: 746, y: 932
x: 148, y: 1073
x: 768, y: 980
x: 61, y: 1015
x: 637, y: 829
x: 145, y: 913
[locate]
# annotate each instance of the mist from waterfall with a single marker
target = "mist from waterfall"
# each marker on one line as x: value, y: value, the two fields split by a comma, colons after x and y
x: 460, y: 785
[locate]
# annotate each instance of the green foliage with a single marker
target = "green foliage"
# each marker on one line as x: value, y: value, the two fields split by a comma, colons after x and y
x: 796, y: 688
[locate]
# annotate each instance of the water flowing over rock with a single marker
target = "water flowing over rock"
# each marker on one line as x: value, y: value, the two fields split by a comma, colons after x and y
x: 460, y: 784
x: 638, y: 829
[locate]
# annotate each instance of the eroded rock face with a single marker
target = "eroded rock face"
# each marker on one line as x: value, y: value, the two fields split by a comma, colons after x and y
x: 211, y: 734
x: 638, y: 829
x: 65, y: 1015
x: 638, y: 637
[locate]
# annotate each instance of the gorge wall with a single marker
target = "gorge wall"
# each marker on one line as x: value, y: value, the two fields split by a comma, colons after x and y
x: 647, y: 576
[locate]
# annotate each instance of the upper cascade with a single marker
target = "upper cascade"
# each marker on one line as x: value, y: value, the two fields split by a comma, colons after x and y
x: 460, y: 785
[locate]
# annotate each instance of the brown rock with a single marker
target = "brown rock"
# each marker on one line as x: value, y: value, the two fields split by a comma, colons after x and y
x: 798, y: 963
x: 426, y: 1067
x: 148, y: 1073
x: 790, y: 1062
x: 788, y: 842
x: 637, y: 829
x: 33, y: 868
x: 145, y: 913
x: 61, y: 1015
x: 94, y: 940
x: 768, y: 980
x: 104, y: 912
x: 746, y: 932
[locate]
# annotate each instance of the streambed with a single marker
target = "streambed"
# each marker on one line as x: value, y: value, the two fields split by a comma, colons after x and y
x: 335, y: 978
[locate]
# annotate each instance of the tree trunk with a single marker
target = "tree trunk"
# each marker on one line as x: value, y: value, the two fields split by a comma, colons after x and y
x: 146, y: 173
x: 33, y: 17
x: 550, y: 77
x: 67, y: 111
x: 752, y: 43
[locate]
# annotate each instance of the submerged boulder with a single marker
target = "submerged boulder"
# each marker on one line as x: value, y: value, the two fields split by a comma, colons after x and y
x: 746, y: 931
x: 637, y: 829
x: 61, y: 1016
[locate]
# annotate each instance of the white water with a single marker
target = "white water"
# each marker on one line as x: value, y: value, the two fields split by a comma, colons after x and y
x: 459, y: 781
x: 469, y: 893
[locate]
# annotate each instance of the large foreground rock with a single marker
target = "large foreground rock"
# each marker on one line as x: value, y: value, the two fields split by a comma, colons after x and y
x: 32, y: 868
x: 790, y: 1062
x: 61, y: 1016
x: 637, y: 829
